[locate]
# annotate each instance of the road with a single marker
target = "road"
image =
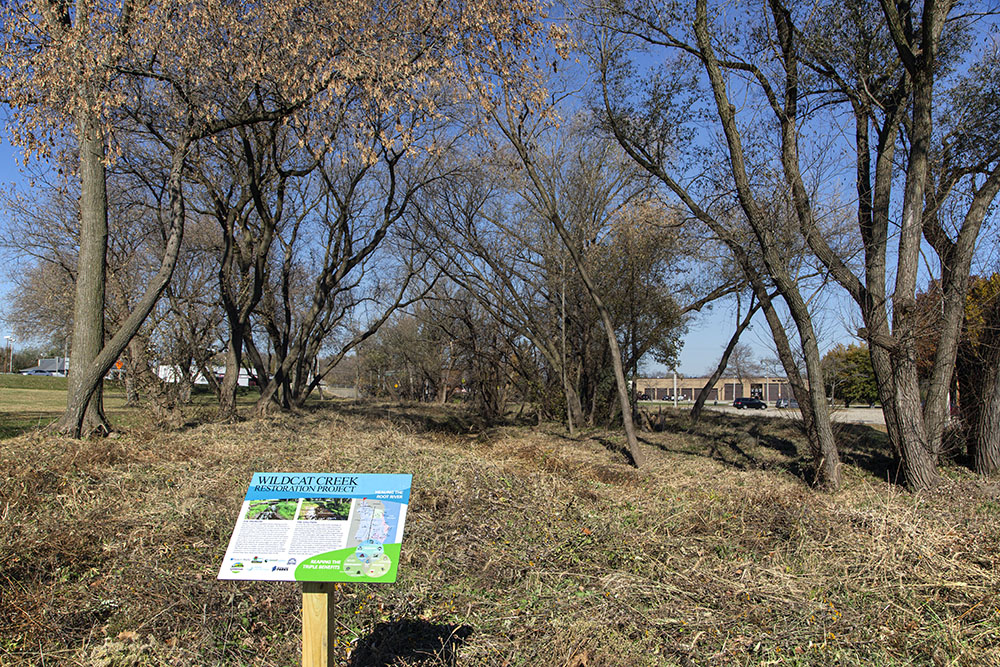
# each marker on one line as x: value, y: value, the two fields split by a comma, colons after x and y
x: 860, y: 415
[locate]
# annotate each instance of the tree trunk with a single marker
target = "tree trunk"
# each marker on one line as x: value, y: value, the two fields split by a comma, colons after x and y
x: 986, y: 434
x: 899, y: 393
x: 919, y: 463
x: 89, y: 376
x: 609, y: 330
x: 574, y: 409
x: 269, y: 398
x: 135, y: 367
x: 88, y: 306
x: 823, y: 446
x: 231, y: 380
x: 616, y: 361
x: 259, y: 365
x: 978, y: 371
x: 550, y: 209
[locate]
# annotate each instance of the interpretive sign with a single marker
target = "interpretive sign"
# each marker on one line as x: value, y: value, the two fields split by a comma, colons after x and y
x: 297, y: 526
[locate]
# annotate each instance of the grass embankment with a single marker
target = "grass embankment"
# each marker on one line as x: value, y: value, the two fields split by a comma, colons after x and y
x: 523, y: 547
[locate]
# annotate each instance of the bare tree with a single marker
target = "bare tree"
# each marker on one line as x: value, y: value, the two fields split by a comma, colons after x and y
x: 652, y: 133
x: 331, y: 276
x: 86, y: 65
x: 799, y: 68
x: 948, y: 135
x: 573, y: 193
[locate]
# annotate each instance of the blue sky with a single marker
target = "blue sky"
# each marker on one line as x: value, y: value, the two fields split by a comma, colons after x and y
x: 9, y: 174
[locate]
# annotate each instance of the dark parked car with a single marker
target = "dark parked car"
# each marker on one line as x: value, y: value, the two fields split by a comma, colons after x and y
x: 756, y: 403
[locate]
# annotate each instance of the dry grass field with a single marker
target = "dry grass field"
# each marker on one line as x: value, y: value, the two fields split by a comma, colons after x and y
x: 523, y: 547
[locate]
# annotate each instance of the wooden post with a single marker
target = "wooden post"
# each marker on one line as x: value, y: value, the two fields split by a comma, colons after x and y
x: 317, y: 624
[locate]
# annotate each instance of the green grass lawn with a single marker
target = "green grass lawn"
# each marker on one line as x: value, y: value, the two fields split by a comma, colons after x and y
x: 26, y: 409
x: 30, y: 402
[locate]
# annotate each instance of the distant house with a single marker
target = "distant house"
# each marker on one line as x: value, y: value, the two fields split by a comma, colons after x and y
x: 59, y: 365
x: 172, y: 374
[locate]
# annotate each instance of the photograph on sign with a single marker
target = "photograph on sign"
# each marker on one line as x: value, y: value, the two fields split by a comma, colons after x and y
x: 319, y: 527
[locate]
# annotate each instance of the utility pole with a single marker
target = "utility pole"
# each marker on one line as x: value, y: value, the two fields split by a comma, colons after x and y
x: 675, y: 387
x: 10, y: 353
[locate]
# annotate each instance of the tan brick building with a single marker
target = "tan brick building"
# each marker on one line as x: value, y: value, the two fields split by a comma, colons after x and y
x: 768, y: 389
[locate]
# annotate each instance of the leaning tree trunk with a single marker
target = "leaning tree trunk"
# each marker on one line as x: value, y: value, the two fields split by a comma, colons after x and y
x: 615, y: 350
x: 823, y: 447
x: 609, y: 330
x: 699, y: 402
x: 550, y: 209
x: 616, y: 363
x: 88, y: 306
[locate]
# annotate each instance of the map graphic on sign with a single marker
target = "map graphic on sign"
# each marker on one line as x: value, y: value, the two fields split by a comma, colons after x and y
x: 374, y: 520
x: 319, y: 527
x: 372, y: 523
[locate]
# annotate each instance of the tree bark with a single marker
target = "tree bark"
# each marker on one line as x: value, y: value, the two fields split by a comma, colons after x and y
x: 135, y: 368
x: 986, y: 431
x: 574, y: 408
x: 978, y: 372
x: 89, y: 376
x: 85, y: 404
x: 231, y: 379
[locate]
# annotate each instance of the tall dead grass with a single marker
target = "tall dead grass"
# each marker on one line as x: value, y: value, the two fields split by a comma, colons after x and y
x: 522, y: 547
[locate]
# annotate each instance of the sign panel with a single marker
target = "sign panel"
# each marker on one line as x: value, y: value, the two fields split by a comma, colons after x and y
x: 297, y: 526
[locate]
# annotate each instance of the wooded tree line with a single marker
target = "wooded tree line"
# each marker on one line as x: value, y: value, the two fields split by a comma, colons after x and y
x: 480, y: 191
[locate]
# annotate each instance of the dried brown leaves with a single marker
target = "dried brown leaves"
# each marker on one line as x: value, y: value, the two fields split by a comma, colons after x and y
x: 194, y: 63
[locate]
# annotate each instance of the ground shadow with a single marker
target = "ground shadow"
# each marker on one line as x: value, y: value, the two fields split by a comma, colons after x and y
x: 781, y: 445
x: 868, y: 449
x: 452, y: 418
x: 410, y: 642
x: 740, y: 442
x: 735, y: 441
x: 423, y: 416
x: 617, y: 449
